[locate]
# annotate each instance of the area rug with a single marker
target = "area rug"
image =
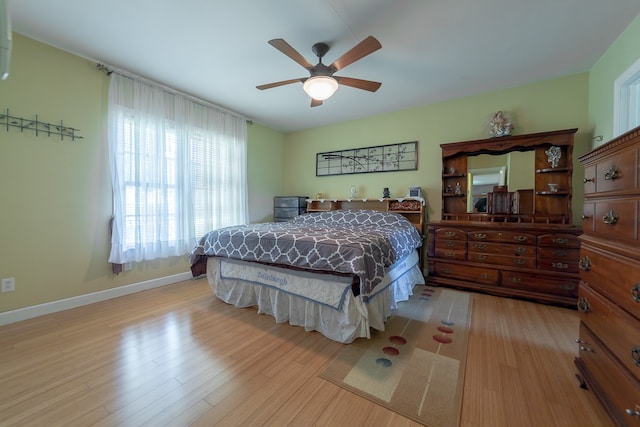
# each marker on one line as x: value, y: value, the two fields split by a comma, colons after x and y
x: 416, y: 366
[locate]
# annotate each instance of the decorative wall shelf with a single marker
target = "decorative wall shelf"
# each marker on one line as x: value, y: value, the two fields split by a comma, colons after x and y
x: 40, y: 128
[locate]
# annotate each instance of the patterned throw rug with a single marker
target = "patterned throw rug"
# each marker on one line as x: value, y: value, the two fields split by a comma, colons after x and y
x: 415, y: 367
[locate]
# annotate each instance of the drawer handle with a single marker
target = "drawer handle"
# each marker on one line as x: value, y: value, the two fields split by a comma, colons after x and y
x: 516, y: 280
x: 450, y: 233
x: 610, y: 218
x: 559, y: 265
x: 635, y: 292
x: 520, y: 250
x: 566, y: 287
x: 560, y: 240
x: 612, y: 174
x: 635, y: 355
x: 451, y: 244
x: 584, y: 217
x: 481, y: 257
x: 579, y: 341
x: 446, y: 271
x: 521, y: 238
x: 584, y: 263
x: 560, y: 253
x: 520, y: 261
x: 449, y: 255
x: 632, y: 412
x: 585, y: 348
x: 583, y: 305
x: 480, y: 246
x: 479, y: 236
x: 585, y: 180
x: 486, y: 276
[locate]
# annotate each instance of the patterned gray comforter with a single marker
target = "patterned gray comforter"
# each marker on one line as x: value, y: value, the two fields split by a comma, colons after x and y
x: 360, y: 242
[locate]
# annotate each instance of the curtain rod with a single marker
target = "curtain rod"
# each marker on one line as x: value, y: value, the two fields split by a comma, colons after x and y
x: 108, y: 70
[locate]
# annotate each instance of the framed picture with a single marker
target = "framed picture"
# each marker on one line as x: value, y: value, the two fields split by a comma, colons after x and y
x: 380, y: 158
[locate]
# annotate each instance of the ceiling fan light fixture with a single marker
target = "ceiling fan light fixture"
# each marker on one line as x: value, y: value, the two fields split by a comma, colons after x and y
x: 320, y: 87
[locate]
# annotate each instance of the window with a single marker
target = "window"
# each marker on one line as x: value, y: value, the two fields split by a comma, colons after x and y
x: 178, y: 170
x: 627, y: 100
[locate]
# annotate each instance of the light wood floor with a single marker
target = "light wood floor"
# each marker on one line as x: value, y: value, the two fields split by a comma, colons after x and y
x: 178, y: 356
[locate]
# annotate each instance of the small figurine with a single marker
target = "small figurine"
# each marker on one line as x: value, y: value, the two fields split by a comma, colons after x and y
x: 385, y: 193
x: 500, y: 126
x: 554, y: 153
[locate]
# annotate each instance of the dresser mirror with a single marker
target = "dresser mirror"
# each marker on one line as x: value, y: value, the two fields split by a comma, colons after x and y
x: 514, y: 169
x: 480, y: 182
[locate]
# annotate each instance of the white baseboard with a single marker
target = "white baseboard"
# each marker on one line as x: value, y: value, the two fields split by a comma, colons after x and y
x: 25, y: 313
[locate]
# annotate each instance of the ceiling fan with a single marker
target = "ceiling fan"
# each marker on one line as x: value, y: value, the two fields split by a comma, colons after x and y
x: 321, y: 83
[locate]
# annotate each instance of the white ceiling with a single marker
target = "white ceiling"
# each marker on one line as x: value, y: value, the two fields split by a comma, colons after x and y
x: 432, y: 50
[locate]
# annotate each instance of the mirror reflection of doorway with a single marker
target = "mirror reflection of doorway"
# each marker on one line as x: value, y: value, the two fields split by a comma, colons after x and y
x: 480, y: 182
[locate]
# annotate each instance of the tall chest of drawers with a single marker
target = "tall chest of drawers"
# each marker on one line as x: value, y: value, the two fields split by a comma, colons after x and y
x: 609, y: 294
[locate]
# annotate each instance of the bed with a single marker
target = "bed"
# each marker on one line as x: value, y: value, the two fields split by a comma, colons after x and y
x: 340, y: 272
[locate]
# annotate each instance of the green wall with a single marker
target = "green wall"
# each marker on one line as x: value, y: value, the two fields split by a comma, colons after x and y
x: 543, y: 106
x: 266, y: 171
x: 621, y: 55
x: 56, y: 195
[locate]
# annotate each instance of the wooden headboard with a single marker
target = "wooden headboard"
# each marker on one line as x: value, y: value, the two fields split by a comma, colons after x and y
x: 411, y: 208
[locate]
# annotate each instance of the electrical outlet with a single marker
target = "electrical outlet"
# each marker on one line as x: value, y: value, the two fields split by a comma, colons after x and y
x: 128, y: 266
x: 9, y: 284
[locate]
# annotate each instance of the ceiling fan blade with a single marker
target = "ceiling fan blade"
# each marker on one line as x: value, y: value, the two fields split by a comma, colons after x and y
x: 286, y: 48
x: 359, y: 51
x: 359, y: 84
x: 282, y: 83
x: 315, y: 102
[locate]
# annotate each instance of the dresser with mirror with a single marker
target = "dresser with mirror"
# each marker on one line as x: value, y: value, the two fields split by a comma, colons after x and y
x: 506, y: 224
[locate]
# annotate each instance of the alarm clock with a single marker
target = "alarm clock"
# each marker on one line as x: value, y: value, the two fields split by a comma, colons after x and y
x: 415, y: 192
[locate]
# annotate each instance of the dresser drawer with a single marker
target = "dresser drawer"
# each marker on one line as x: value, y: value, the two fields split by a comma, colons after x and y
x: 560, y: 254
x: 588, y: 217
x: 451, y: 245
x: 615, y: 276
x: 616, y: 328
x: 450, y: 234
x: 559, y: 240
x: 502, y: 249
x: 589, y: 180
x: 447, y: 253
x: 614, y: 384
x: 553, y: 286
x: 485, y: 276
x: 510, y: 260
x: 502, y: 236
x: 615, y: 219
x: 613, y: 173
x: 560, y: 265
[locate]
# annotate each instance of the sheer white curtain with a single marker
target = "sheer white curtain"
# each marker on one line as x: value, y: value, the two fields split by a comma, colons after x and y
x: 178, y: 170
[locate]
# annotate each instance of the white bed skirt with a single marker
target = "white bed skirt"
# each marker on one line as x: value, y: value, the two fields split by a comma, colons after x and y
x: 297, y: 297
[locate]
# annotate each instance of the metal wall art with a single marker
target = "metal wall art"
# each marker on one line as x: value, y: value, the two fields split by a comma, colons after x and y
x: 40, y: 128
x: 381, y: 158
